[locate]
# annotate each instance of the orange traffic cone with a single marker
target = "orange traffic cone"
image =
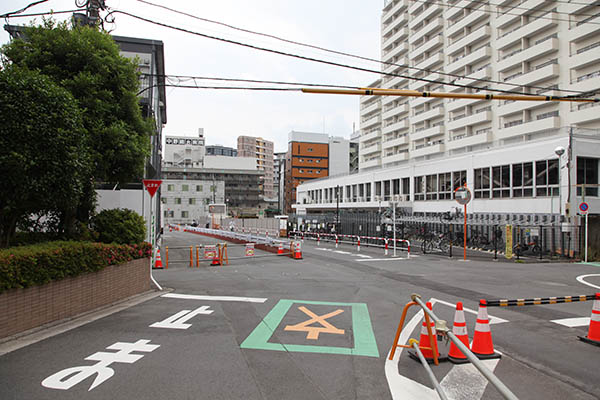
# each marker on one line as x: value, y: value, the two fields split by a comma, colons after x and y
x: 298, y: 251
x: 425, y: 346
x: 460, y: 331
x: 158, y: 262
x: 216, y: 259
x: 593, y: 336
x: 482, y: 345
x: 280, y: 249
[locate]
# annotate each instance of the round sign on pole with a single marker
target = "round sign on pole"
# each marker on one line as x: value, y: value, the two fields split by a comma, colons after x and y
x: 462, y: 195
x: 584, y: 208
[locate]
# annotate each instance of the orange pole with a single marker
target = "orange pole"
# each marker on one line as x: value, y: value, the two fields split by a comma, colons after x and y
x: 166, y: 257
x: 400, y: 325
x: 191, y: 256
x: 197, y: 256
x: 429, y: 333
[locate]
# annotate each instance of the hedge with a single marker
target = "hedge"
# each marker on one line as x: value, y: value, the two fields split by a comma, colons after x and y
x: 26, y: 266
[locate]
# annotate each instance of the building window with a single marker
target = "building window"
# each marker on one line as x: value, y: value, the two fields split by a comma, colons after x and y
x: 459, y: 179
x: 192, y: 201
x: 309, y: 149
x: 406, y: 186
x: 431, y: 187
x: 163, y: 200
x: 419, y: 188
x: 482, y: 183
x: 185, y: 214
x: 377, y: 188
x: 587, y: 174
x: 185, y: 188
x: 445, y: 186
x: 170, y: 188
x: 546, y: 178
x: 522, y: 179
x: 198, y: 188
x: 501, y: 181
x: 177, y: 200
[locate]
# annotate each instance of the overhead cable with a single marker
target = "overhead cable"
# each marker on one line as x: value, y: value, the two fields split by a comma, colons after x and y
x: 35, y: 3
x: 332, y: 63
x: 430, y: 71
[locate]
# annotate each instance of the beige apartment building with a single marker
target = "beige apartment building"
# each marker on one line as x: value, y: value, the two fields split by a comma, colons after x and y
x: 262, y: 150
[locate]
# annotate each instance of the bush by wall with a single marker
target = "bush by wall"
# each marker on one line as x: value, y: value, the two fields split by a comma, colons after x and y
x: 26, y: 266
x: 119, y: 225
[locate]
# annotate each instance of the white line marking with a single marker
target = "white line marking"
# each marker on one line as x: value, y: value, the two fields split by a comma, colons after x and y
x: 322, y: 248
x: 386, y: 259
x: 341, y: 252
x: 572, y: 322
x: 362, y: 256
x: 214, y: 298
x: 178, y: 320
x: 580, y: 279
x: 493, y: 320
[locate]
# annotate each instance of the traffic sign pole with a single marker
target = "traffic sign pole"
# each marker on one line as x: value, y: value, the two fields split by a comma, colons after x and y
x: 586, y: 236
x: 585, y: 208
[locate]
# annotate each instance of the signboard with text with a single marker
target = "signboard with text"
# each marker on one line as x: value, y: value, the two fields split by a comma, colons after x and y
x: 151, y: 186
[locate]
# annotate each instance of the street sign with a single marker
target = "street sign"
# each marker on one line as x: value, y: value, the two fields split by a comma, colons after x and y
x: 462, y: 195
x: 152, y: 186
x: 584, y: 208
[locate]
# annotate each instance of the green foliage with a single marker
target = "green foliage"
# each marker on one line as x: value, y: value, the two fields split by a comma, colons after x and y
x: 44, y: 157
x: 119, y: 225
x: 87, y: 63
x: 26, y: 266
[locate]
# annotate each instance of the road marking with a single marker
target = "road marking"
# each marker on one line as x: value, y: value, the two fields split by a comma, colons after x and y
x: 67, y: 378
x: 312, y: 332
x: 362, y: 256
x: 214, y: 298
x: 386, y: 259
x: 362, y: 332
x: 341, y: 252
x: 460, y: 383
x: 572, y: 322
x: 580, y: 278
x: 178, y: 320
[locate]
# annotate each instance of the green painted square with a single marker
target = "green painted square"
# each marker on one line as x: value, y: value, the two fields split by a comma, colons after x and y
x: 364, y: 338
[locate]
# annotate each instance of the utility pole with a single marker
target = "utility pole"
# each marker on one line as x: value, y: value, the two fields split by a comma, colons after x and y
x: 337, y: 208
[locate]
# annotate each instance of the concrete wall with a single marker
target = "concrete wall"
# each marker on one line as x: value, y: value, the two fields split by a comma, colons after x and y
x: 24, y: 309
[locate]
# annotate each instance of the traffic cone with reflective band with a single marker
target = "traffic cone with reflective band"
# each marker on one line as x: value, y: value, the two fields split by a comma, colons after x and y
x: 593, y: 336
x: 298, y: 251
x: 460, y: 331
x: 280, y: 249
x: 482, y: 345
x: 215, y: 259
x: 425, y: 346
x: 158, y: 262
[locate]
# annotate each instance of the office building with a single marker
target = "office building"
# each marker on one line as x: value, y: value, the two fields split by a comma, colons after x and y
x: 218, y: 150
x: 262, y: 150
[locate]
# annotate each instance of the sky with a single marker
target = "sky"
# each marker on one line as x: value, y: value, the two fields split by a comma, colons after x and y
x: 351, y: 26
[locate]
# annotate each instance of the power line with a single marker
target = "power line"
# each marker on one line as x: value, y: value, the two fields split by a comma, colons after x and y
x: 39, y: 14
x: 503, y: 13
x: 35, y: 3
x: 320, y: 60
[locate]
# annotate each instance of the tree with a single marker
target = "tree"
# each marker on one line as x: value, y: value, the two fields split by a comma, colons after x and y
x: 44, y: 157
x: 87, y: 63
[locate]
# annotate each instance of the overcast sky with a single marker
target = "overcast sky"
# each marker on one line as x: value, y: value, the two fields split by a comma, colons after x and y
x: 351, y: 26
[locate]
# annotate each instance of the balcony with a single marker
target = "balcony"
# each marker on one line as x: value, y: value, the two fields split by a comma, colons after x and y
x: 438, y: 40
x: 584, y: 84
x: 418, y: 85
x: 412, y: 8
x: 399, y: 80
x: 453, y: 11
x: 371, y: 149
x: 427, y: 133
x: 376, y: 162
x: 437, y: 58
x: 520, y: 106
x: 536, y: 51
x: 478, y: 55
x: 371, y: 122
x: 402, y: 32
x: 484, y: 73
x: 533, y: 28
x: 395, y: 111
x: 395, y: 158
x: 587, y: 112
x: 428, y: 150
x: 419, y: 101
x: 585, y: 57
x: 436, y: 112
x: 388, y: 14
x: 472, y: 18
x: 473, y: 140
x: 529, y: 128
x: 437, y: 23
x: 432, y: 10
x: 369, y: 136
x: 478, y: 35
x: 396, y: 142
x: 473, y: 119
x: 515, y: 13
x: 389, y: 55
x: 368, y: 109
x: 403, y: 124
x: 536, y: 75
x: 585, y: 30
x: 461, y: 103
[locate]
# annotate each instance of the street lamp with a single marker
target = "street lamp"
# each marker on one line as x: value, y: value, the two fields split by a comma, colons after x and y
x: 559, y: 151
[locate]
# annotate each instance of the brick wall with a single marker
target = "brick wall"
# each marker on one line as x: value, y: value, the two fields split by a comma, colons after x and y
x: 23, y: 309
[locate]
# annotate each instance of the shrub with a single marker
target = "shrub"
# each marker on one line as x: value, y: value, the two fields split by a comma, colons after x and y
x: 26, y: 266
x: 119, y: 225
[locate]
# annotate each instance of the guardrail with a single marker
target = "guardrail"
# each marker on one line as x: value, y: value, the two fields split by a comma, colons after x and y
x: 357, y: 240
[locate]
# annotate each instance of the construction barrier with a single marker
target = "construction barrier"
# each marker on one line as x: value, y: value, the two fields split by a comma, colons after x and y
x: 359, y: 241
x: 539, y: 301
x: 189, y: 261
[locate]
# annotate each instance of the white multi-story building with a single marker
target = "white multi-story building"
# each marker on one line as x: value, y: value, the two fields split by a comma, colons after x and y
x: 262, y: 151
x: 417, y: 150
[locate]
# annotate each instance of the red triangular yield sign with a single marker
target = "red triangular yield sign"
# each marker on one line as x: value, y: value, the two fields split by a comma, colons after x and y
x: 152, y: 186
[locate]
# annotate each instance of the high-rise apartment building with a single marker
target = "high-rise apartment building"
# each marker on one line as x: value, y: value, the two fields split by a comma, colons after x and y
x: 262, y: 150
x: 534, y: 47
x: 279, y: 180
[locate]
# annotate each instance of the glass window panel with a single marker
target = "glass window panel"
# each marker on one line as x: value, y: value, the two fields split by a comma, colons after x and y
x: 553, y: 172
x: 517, y: 175
x: 485, y: 178
x: 528, y: 174
x: 505, y: 176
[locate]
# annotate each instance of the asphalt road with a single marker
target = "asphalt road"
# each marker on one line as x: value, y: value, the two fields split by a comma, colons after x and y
x: 318, y: 328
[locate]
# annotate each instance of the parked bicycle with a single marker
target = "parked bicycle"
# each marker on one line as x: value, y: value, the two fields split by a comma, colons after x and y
x: 481, y: 240
x: 435, y: 241
x: 521, y: 248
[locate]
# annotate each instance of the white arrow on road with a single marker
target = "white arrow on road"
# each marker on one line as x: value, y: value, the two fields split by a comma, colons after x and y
x: 178, y: 320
